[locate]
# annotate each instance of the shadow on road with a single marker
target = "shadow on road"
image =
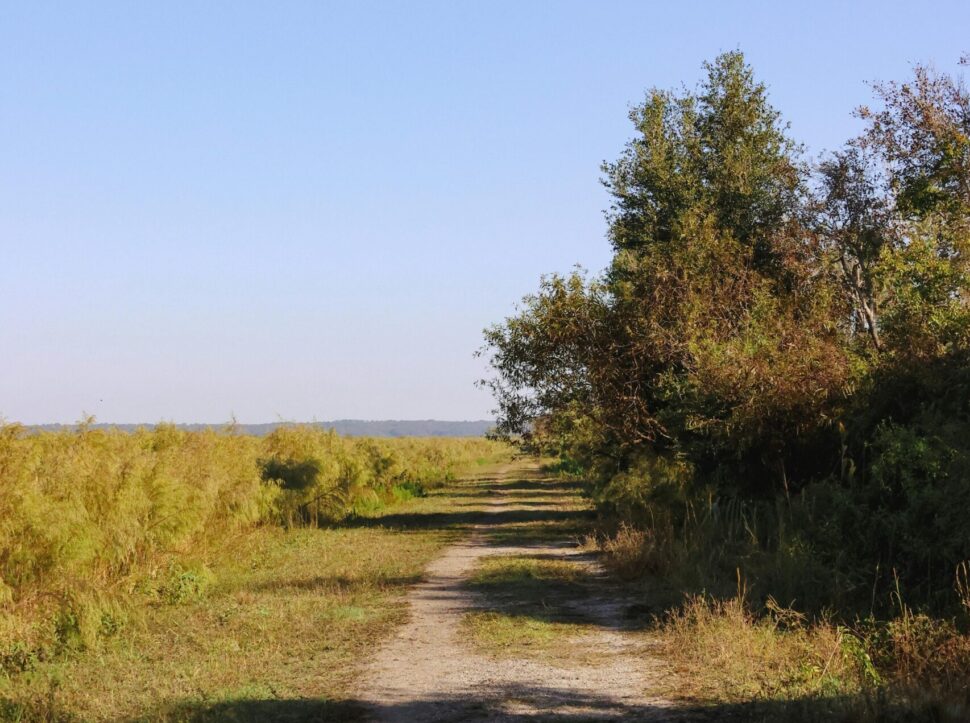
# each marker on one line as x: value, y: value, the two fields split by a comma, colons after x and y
x: 467, y: 518
x: 510, y: 703
x: 524, y: 500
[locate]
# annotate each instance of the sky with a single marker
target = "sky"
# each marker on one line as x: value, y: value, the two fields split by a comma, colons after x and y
x: 310, y: 210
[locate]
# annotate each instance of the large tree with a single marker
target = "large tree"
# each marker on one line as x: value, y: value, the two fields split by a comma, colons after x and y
x: 709, y: 334
x: 767, y: 331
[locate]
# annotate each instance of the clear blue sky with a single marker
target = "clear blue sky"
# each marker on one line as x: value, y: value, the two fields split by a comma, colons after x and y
x: 309, y: 210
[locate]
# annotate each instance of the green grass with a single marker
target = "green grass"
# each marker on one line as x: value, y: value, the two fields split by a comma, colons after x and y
x: 518, y: 635
x: 524, y: 598
x: 525, y: 605
x: 523, y: 574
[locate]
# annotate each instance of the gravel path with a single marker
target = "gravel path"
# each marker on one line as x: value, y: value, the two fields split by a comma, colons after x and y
x: 430, y: 672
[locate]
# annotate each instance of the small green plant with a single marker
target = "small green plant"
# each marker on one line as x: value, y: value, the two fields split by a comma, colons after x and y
x: 184, y: 584
x: 854, y: 650
x: 18, y: 658
x: 408, y: 490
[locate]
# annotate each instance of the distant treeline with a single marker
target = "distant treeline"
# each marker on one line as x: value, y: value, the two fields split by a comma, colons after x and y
x: 347, y: 427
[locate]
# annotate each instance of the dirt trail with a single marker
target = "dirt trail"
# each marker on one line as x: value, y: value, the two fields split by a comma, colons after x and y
x: 431, y: 671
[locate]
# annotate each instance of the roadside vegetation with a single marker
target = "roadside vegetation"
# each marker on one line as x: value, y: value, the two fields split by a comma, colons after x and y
x: 128, y: 560
x: 768, y: 393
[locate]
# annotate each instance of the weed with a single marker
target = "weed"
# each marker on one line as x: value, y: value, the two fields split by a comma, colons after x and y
x: 185, y: 583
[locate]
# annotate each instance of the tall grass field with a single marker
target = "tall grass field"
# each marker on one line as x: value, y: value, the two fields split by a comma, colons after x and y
x: 96, y: 522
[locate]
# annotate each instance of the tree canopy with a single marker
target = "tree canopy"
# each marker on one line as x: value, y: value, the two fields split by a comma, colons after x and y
x: 765, y: 321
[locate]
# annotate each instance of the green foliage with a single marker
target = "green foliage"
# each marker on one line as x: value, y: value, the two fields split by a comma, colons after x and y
x: 184, y: 583
x: 773, y: 373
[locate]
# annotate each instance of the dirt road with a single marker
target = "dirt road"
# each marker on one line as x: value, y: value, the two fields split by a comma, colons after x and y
x: 435, y: 668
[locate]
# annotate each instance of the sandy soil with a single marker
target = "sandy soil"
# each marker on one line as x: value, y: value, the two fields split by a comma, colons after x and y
x: 430, y: 671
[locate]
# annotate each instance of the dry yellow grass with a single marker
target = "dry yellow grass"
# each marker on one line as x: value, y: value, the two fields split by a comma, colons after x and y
x: 146, y: 575
x: 767, y: 662
x: 289, y: 616
x: 725, y: 653
x: 91, y: 520
x: 778, y: 666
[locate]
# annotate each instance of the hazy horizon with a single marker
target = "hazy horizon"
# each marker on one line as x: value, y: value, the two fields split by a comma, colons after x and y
x: 343, y: 427
x: 248, y: 423
x: 309, y: 210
